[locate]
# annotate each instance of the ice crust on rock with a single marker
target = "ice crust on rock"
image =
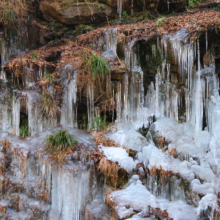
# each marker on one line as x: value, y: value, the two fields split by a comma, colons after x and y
x: 209, y: 200
x: 136, y: 196
x: 67, y: 186
x: 127, y: 136
x: 116, y: 154
x: 205, y: 188
x: 154, y: 157
x: 183, y: 137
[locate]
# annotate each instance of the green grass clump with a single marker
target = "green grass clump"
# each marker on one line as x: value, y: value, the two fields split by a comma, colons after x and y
x: 125, y: 14
x: 33, y: 55
x: 97, y: 65
x: 50, y: 78
x: 60, y: 141
x: 81, y: 29
x: 24, y: 129
x: 99, y: 123
x: 159, y: 22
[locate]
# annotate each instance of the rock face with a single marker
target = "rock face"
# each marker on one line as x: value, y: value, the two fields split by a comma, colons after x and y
x: 75, y: 13
x: 94, y: 11
x: 161, y: 5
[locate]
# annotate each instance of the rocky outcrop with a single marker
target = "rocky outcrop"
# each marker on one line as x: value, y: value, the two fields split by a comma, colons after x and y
x: 161, y: 5
x: 75, y: 13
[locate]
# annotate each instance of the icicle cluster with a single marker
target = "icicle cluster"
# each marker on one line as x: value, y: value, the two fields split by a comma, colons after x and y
x: 69, y: 107
x: 70, y: 193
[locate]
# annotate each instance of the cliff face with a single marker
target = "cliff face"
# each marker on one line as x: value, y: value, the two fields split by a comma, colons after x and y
x: 88, y: 12
x: 75, y: 13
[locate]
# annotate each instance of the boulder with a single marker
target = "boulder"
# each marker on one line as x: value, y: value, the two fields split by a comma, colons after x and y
x: 75, y: 13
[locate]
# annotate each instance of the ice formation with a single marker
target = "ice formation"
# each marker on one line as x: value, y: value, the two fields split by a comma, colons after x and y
x: 119, y: 155
x: 183, y: 112
x: 193, y: 135
x: 69, y: 108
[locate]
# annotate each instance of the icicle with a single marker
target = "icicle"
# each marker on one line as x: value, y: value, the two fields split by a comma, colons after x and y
x: 168, y: 92
x: 164, y: 44
x: 128, y: 57
x: 154, y: 50
x: 198, y: 101
x: 157, y: 94
x: 163, y: 69
x: 206, y: 40
x: 108, y: 85
x: 174, y: 107
x: 71, y: 189
x: 97, y: 111
x: 16, y: 114
x: 90, y: 104
x: 125, y: 97
x: 69, y: 108
x: 35, y: 125
x: 119, y: 8
x: 111, y: 40
x: 5, y: 117
x: 141, y: 88
x: 118, y: 101
x: 113, y: 104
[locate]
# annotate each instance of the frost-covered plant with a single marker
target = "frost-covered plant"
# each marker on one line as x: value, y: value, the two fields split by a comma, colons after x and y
x: 60, y: 141
x: 49, y: 105
x: 96, y: 65
x: 110, y: 170
x: 50, y: 78
x: 24, y: 129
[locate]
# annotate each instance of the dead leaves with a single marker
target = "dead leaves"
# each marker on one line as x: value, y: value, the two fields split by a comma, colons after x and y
x: 199, y: 20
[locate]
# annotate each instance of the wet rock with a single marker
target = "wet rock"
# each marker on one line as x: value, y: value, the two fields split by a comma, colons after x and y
x: 75, y: 13
x: 97, y: 209
x: 109, y: 55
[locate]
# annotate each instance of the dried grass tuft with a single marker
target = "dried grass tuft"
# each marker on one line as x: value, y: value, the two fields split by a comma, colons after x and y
x: 109, y: 169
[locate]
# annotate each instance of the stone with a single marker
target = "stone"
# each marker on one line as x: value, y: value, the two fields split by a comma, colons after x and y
x: 75, y: 13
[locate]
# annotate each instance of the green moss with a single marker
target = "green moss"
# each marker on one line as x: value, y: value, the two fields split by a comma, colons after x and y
x: 81, y: 29
x: 130, y: 19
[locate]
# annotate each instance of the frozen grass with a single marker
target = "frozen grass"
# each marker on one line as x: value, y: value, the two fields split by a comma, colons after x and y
x: 96, y: 65
x: 60, y: 141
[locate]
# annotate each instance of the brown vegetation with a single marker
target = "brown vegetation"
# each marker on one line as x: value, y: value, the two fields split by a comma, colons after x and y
x: 101, y: 139
x: 198, y: 21
x: 109, y: 169
x: 15, y: 11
